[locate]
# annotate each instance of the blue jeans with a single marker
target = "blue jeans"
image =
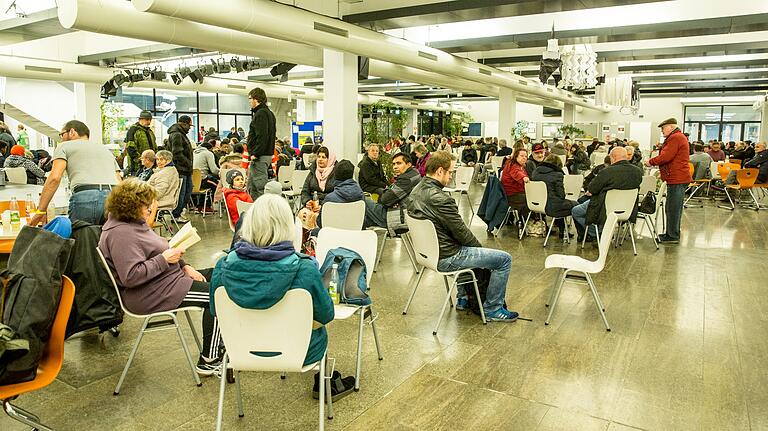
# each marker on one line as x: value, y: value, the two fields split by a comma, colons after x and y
x: 88, y: 206
x: 185, y: 193
x: 499, y: 262
x: 579, y: 214
x: 674, y: 208
x: 375, y: 214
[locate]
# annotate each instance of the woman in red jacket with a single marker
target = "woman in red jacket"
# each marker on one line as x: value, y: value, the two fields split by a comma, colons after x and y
x: 513, y: 179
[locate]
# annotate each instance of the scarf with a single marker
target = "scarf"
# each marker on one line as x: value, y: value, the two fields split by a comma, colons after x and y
x: 272, y: 253
x: 322, y: 174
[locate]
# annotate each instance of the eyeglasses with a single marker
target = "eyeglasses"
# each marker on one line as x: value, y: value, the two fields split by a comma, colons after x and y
x: 61, y: 135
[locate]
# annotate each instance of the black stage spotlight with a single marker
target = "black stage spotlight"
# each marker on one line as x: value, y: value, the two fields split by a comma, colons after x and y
x: 184, y: 71
x: 176, y: 78
x: 158, y: 75
x: 207, y: 69
x: 223, y: 67
x: 281, y: 68
x: 196, y: 75
x: 109, y: 89
x: 147, y: 73
x: 119, y: 79
x: 235, y: 63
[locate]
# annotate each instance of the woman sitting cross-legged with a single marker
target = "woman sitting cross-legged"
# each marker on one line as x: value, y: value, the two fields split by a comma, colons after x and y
x: 263, y: 266
x: 151, y: 276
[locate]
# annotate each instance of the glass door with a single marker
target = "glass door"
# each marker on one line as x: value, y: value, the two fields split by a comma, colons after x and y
x: 751, y: 132
x: 731, y: 132
x: 692, y: 129
x: 710, y: 131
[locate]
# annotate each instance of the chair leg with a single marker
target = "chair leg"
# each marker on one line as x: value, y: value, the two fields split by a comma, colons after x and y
x: 222, y: 387
x: 375, y: 333
x: 413, y: 292
x: 184, y: 347
x: 631, y: 228
x: 380, y: 252
x: 546, y: 238
x: 555, y: 286
x: 653, y: 236
x: 447, y: 289
x: 598, y: 302
x: 130, y: 357
x: 238, y: 392
x: 23, y: 416
x: 471, y: 206
x: 479, y: 302
x: 409, y: 249
x: 556, y: 297
x: 445, y: 304
x: 194, y: 332
x: 359, y: 349
x: 328, y: 396
x: 525, y: 225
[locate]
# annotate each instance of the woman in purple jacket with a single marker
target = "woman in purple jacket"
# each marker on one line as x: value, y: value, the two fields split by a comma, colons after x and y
x: 152, y: 277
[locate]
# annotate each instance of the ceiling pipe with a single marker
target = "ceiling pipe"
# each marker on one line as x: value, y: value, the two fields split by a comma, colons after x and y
x: 46, y: 70
x: 268, y: 18
x: 119, y: 18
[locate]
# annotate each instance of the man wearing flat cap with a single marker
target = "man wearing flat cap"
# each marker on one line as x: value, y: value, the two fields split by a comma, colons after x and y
x: 673, y: 166
x: 140, y: 138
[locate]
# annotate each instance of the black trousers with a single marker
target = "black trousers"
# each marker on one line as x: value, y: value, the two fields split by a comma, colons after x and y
x: 199, y: 296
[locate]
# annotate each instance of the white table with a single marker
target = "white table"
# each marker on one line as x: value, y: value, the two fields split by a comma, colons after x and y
x: 60, y: 198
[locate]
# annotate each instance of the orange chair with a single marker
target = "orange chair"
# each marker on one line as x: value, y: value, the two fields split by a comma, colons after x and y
x: 50, y: 364
x: 694, y: 187
x: 746, y: 181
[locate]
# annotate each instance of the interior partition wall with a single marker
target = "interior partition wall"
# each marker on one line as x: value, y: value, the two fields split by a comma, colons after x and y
x: 722, y: 123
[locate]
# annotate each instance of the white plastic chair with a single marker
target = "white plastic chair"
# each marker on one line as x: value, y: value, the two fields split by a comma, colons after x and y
x: 563, y: 160
x: 714, y: 171
x: 274, y: 339
x: 16, y: 175
x: 650, y: 219
x: 298, y: 231
x: 348, y: 216
x: 572, y: 185
x: 497, y: 162
x: 364, y: 243
x: 243, y: 206
x: 285, y: 176
x: 648, y: 184
x: 568, y: 265
x: 464, y: 176
x: 308, y: 159
x: 298, y: 177
x: 621, y: 203
x: 150, y: 326
x: 536, y: 198
x: 426, y: 248
x: 229, y: 219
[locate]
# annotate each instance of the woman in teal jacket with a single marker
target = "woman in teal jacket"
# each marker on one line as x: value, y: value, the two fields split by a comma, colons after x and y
x: 263, y: 266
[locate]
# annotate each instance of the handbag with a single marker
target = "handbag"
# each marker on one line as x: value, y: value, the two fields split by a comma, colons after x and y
x: 648, y: 204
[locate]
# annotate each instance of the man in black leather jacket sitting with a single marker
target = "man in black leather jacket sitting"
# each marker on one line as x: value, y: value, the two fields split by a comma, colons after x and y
x: 459, y: 248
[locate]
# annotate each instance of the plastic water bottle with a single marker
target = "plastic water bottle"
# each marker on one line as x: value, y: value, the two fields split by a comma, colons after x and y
x: 333, y: 285
x: 15, y: 216
x: 315, y: 198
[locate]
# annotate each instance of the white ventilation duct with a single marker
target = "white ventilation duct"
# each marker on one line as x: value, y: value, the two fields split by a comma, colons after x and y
x: 119, y: 18
x: 284, y: 22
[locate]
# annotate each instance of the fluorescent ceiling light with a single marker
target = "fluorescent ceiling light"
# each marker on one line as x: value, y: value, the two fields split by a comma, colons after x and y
x: 724, y: 99
x: 699, y: 72
x: 695, y: 60
x: 702, y: 81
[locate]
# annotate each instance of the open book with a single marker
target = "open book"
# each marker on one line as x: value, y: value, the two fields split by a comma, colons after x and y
x: 186, y: 237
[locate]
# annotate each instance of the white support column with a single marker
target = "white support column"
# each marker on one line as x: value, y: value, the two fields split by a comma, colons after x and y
x: 413, y: 124
x: 507, y: 114
x: 306, y: 110
x: 569, y: 113
x: 764, y: 123
x: 88, y: 108
x: 340, y: 128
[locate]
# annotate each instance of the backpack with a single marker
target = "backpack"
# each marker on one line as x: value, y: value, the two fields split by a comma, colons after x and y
x: 352, y: 275
x: 483, y: 277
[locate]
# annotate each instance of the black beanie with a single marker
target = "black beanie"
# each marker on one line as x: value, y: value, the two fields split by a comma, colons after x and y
x: 344, y: 170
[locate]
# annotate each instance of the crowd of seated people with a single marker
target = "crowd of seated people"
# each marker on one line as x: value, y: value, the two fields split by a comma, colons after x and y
x: 19, y: 158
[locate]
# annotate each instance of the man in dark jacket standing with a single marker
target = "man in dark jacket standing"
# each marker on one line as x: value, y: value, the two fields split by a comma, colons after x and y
x: 459, y: 249
x: 621, y: 175
x: 261, y: 142
x: 396, y: 195
x: 179, y: 144
x: 673, y: 166
x: 371, y: 177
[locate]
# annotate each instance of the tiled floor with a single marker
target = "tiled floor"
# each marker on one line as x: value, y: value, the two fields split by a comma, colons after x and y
x: 688, y: 350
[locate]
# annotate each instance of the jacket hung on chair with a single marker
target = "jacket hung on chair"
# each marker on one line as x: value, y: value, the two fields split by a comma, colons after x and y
x: 258, y: 278
x: 673, y: 159
x: 96, y: 303
x: 429, y: 201
x: 493, y: 207
x: 557, y: 205
x: 619, y: 176
x: 371, y: 176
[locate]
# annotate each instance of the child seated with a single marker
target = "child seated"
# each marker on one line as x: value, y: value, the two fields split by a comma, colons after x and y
x: 235, y: 192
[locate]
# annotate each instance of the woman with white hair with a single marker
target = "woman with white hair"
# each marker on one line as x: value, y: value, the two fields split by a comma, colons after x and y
x: 165, y: 180
x: 264, y: 265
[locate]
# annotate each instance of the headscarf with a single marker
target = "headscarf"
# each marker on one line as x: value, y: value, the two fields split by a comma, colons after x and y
x: 322, y: 174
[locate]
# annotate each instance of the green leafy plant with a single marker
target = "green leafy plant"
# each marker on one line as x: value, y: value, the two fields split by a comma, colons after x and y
x: 520, y: 130
x: 111, y: 115
x: 569, y: 130
x: 454, y: 123
x: 385, y: 121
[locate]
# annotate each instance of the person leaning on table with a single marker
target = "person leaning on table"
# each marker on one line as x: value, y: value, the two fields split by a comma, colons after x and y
x: 92, y: 171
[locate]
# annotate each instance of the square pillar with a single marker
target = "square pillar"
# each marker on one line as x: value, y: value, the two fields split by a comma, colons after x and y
x: 340, y: 127
x: 569, y: 113
x: 88, y: 108
x: 306, y: 110
x: 507, y: 114
x: 764, y: 123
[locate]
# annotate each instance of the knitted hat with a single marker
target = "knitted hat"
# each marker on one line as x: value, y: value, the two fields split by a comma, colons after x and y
x: 17, y: 150
x: 231, y: 175
x: 274, y: 188
x: 344, y: 170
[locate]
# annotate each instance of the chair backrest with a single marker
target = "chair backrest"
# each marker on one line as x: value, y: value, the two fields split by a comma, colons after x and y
x: 114, y: 284
x: 648, y: 184
x: 53, y: 352
x: 691, y: 168
x: 747, y: 177
x: 621, y: 203
x: 497, y: 162
x: 361, y: 155
x: 197, y: 179
x: 661, y: 196
x: 243, y: 206
x: 363, y: 242
x: 298, y: 234
x: 464, y: 177
x: 273, y: 339
x: 285, y: 175
x: 597, y: 157
x: 423, y: 235
x: 572, y: 185
x: 223, y: 176
x: 655, y: 172
x: 723, y: 169
x: 714, y: 169
x: 229, y: 219
x: 606, y: 238
x: 536, y: 196
x: 349, y: 215
x: 298, y: 178
x: 308, y: 159
x: 563, y: 158
x: 17, y: 175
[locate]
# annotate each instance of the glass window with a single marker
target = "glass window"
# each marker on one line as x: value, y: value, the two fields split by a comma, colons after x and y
x: 178, y: 100
x: 731, y: 132
x: 710, y: 132
x: 752, y: 132
x: 702, y: 113
x: 692, y: 129
x: 140, y: 97
x: 234, y: 104
x: 226, y: 122
x: 207, y: 102
x: 208, y: 121
x: 740, y: 113
x: 243, y: 122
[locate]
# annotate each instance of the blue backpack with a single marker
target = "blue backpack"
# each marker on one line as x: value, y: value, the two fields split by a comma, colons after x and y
x: 353, y: 286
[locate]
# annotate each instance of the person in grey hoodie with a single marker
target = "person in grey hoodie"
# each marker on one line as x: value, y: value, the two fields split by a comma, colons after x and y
x: 204, y: 160
x: 151, y: 276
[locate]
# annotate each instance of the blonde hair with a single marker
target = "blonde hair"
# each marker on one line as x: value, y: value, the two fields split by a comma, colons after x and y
x: 268, y: 221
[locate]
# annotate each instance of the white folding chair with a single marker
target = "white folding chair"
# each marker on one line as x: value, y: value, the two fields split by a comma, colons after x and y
x: 151, y: 324
x: 536, y: 198
x: 298, y: 237
x: 563, y: 160
x: 621, y: 203
x: 243, y: 206
x: 571, y: 266
x: 229, y: 219
x: 348, y: 216
x: 572, y: 185
x: 298, y: 178
x: 273, y: 339
x: 426, y: 248
x: 285, y: 176
x: 463, y: 182
x: 160, y: 217
x: 363, y: 242
x: 497, y: 162
x: 650, y: 219
x: 16, y: 175
x: 648, y: 184
x: 308, y: 159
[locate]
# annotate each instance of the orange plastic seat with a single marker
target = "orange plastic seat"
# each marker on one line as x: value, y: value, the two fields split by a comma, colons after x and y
x: 50, y: 364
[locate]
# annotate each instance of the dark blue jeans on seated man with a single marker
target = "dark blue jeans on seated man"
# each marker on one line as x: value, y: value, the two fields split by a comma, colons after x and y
x: 579, y: 214
x: 499, y: 262
x: 375, y: 214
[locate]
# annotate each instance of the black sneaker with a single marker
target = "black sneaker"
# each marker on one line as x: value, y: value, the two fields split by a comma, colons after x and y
x: 205, y: 368
x: 340, y: 386
x: 665, y: 239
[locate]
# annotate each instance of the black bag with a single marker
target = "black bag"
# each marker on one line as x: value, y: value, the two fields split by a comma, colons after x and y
x: 32, y: 296
x: 648, y: 205
x: 483, y: 276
